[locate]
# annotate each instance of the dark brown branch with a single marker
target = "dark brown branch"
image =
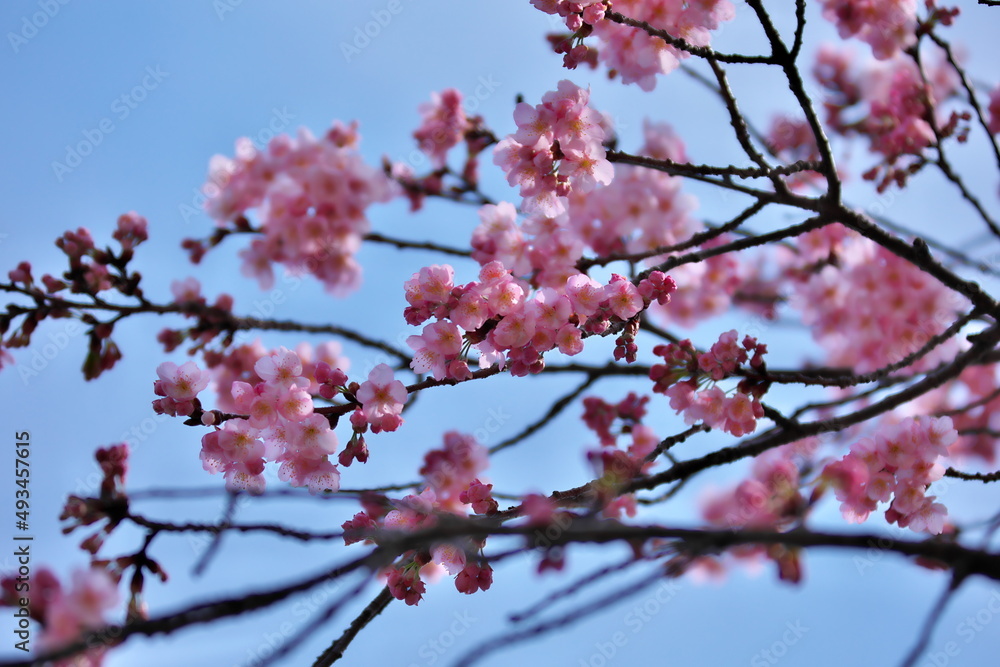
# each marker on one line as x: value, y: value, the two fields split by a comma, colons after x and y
x: 687, y: 169
x: 695, y: 240
x: 977, y: 476
x: 417, y: 245
x: 933, y: 618
x: 796, y: 85
x: 676, y: 42
x: 553, y: 411
x: 219, y: 528
x: 777, y: 437
x: 969, y: 92
x: 336, y: 650
x: 667, y: 443
x: 576, y: 614
x: 942, y: 161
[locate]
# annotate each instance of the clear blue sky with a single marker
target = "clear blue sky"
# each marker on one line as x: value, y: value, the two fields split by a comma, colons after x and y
x: 197, y: 75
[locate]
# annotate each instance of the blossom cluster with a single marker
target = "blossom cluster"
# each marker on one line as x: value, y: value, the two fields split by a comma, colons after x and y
x: 452, y: 485
x: 890, y: 104
x: 614, y: 466
x: 311, y: 195
x: 509, y: 326
x: 684, y: 371
x: 444, y: 125
x: 557, y: 149
x: 768, y: 498
x: 888, y: 26
x: 644, y: 210
x: 237, y: 364
x: 641, y: 211
x: 899, y: 462
x: 631, y: 52
x: 454, y: 469
x: 976, y: 412
x: 91, y: 270
x: 280, y: 422
x: 867, y: 306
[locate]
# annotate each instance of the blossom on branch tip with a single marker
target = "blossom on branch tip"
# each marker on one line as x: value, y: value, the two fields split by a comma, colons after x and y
x: 444, y: 125
x: 181, y: 383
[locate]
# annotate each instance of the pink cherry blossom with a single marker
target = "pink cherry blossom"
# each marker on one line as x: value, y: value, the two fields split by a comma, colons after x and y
x: 623, y: 297
x: 282, y: 368
x: 444, y: 125
x: 888, y: 26
x: 382, y: 398
x: 181, y: 383
x: 311, y: 195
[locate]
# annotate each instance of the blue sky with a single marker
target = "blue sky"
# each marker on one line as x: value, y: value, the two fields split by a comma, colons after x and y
x: 150, y: 91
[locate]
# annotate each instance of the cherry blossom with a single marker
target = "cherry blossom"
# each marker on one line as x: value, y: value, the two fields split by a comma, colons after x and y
x: 382, y: 397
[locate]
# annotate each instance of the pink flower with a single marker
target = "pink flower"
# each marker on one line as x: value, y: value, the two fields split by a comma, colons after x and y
x: 569, y: 338
x: 586, y: 167
x: 474, y: 578
x: 70, y: 613
x: 427, y: 359
x: 995, y: 111
x: 283, y: 368
x: 538, y: 509
x: 741, y: 414
x: 585, y: 294
x: 887, y: 25
x: 443, y: 337
x: 311, y: 195
x: 444, y: 125
x: 243, y: 477
x: 471, y: 312
x: 382, y: 398
x: 324, y: 477
x: 181, y: 383
x: 187, y: 291
x: 93, y: 592
x: 294, y: 403
x: 313, y: 438
x: 479, y: 496
x: 240, y: 441
x: 432, y: 286
x: 450, y: 556
x: 623, y: 297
